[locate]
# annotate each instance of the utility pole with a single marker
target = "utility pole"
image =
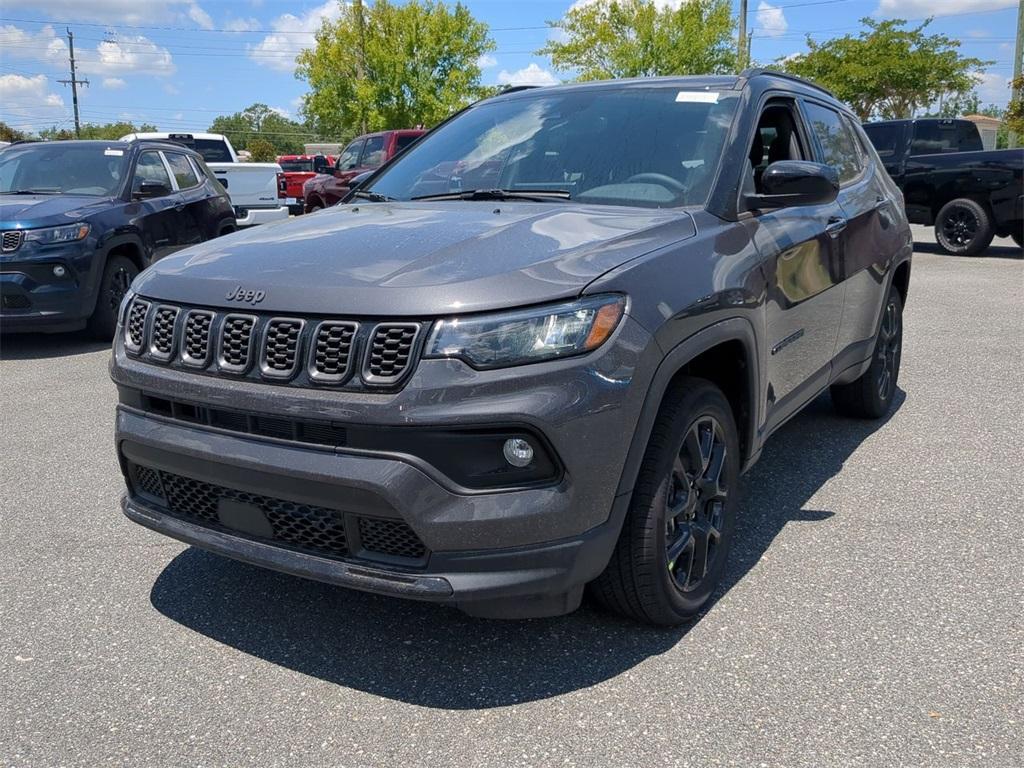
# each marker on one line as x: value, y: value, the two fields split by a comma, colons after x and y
x: 742, y: 52
x: 1018, y: 58
x: 74, y: 82
x: 361, y: 59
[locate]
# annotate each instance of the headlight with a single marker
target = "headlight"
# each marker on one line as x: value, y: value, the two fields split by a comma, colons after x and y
x: 528, y: 335
x: 65, y: 234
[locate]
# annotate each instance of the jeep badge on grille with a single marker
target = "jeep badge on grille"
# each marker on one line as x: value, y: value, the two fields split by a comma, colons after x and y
x: 238, y: 293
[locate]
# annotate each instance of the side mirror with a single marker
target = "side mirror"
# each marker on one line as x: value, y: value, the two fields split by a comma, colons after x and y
x: 148, y: 189
x: 795, y: 182
x: 357, y: 181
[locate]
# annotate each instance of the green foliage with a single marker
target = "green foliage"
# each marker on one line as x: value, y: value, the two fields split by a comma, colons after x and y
x: 107, y: 131
x: 262, y: 151
x: 11, y: 134
x: 392, y: 65
x: 633, y: 38
x: 888, y: 70
x: 258, y: 121
x: 1014, y: 115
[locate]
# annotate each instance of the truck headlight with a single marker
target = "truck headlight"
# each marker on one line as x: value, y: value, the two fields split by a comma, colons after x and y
x: 66, y: 233
x: 528, y: 335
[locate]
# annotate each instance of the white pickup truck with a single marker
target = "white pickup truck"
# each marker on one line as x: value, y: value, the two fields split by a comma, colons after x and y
x: 254, y: 188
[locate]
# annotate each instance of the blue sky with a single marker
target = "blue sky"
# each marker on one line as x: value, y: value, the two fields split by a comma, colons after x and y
x: 180, y: 63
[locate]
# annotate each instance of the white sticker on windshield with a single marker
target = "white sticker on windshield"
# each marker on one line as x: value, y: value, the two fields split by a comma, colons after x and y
x: 698, y: 97
x: 113, y: 152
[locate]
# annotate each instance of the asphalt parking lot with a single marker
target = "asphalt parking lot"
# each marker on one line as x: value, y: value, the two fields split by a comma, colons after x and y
x: 873, y: 614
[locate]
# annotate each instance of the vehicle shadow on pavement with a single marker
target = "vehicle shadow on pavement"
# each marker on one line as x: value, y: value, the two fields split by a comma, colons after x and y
x: 39, y: 346
x: 436, y: 657
x: 992, y: 252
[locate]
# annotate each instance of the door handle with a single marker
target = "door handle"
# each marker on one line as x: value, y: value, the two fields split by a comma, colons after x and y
x: 835, y: 225
x: 179, y: 207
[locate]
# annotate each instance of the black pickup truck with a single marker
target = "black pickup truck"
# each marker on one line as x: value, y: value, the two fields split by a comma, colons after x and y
x: 970, y: 195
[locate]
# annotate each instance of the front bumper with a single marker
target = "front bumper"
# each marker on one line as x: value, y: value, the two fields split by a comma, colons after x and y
x: 33, y: 298
x: 510, y: 552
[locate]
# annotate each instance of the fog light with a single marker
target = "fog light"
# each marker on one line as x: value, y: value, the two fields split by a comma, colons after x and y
x: 518, y: 452
x: 59, y: 271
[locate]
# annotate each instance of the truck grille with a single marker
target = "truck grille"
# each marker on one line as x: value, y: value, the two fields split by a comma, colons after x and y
x: 291, y: 524
x: 10, y: 241
x: 295, y: 350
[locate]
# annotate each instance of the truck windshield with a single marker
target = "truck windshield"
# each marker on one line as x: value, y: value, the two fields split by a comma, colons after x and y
x: 652, y: 146
x: 61, y: 168
x: 296, y: 166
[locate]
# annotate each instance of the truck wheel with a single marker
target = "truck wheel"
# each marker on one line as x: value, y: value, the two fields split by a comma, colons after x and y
x: 672, y: 550
x: 963, y: 227
x: 871, y: 396
x: 117, y: 278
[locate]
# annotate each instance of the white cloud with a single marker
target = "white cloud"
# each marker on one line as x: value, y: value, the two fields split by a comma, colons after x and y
x: 486, y: 61
x: 171, y: 89
x: 123, y: 11
x: 113, y: 83
x: 993, y: 88
x: 29, y: 104
x: 771, y: 21
x: 913, y: 9
x: 291, y: 33
x: 242, y: 25
x: 531, y: 75
x: 127, y: 55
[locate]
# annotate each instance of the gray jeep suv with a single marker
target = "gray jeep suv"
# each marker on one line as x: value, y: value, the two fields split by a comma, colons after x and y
x: 534, y: 352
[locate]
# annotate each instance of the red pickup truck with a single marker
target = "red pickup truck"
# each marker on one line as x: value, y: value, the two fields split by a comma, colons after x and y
x: 298, y: 169
x: 363, y: 154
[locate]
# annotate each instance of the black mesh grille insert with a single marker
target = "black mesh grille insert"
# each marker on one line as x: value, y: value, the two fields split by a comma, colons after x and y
x: 305, y: 527
x: 332, y: 350
x: 236, y: 342
x: 15, y: 301
x: 280, y: 353
x: 136, y: 327
x: 390, y: 537
x: 390, y: 351
x: 196, y: 346
x: 162, y: 344
x: 11, y: 241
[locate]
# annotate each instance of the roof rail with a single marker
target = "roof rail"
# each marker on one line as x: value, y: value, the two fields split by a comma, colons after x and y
x: 515, y: 88
x: 754, y: 71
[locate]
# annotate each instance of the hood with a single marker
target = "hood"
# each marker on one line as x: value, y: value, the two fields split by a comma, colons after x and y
x: 415, y: 259
x: 30, y: 211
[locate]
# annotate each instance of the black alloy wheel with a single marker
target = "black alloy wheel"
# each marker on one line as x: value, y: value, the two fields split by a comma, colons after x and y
x: 887, y: 350
x: 963, y: 227
x: 118, y: 274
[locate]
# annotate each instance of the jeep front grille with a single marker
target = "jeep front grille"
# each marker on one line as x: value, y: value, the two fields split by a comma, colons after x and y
x: 300, y: 351
x: 291, y: 524
x: 10, y: 241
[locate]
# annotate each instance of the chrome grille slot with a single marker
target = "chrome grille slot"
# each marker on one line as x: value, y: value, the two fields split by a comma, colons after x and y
x: 135, y: 326
x: 195, y: 337
x: 390, y: 352
x: 281, y: 341
x: 331, y: 351
x: 161, y: 343
x: 236, y: 342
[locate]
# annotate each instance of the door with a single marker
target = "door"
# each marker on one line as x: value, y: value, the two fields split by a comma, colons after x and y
x: 191, y: 200
x: 798, y: 249
x: 346, y: 168
x: 156, y: 217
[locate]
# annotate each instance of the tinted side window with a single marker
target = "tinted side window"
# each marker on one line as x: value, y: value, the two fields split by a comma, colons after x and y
x: 404, y: 141
x: 150, y: 168
x: 182, y: 170
x: 840, y: 150
x: 933, y: 137
x: 213, y: 150
x: 350, y: 157
x: 373, y: 155
x: 887, y: 138
x: 968, y: 137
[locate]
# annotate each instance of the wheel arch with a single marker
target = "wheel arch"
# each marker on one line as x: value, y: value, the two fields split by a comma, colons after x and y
x: 901, y: 280
x: 724, y: 354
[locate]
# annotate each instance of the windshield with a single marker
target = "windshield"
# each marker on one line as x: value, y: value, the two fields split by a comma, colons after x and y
x: 62, y: 168
x: 650, y: 147
x: 293, y: 166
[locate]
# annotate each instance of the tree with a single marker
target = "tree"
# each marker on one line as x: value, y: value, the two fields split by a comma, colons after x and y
x: 392, y: 66
x: 262, y: 151
x: 104, y: 131
x: 286, y: 136
x: 888, y: 70
x: 1014, y: 115
x: 640, y: 38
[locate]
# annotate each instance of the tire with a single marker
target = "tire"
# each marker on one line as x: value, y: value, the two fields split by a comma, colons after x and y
x: 871, y: 395
x: 677, y: 505
x: 118, y: 274
x: 964, y: 228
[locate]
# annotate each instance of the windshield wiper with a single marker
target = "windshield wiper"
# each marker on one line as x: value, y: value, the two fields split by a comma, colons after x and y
x: 537, y: 195
x: 46, y: 191
x: 373, y: 197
